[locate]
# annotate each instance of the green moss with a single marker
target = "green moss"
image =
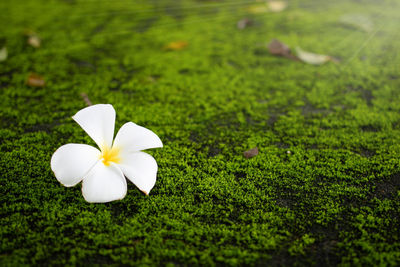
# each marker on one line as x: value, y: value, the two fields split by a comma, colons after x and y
x: 323, y: 190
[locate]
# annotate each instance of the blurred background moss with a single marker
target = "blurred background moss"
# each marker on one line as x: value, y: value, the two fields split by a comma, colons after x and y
x: 323, y: 189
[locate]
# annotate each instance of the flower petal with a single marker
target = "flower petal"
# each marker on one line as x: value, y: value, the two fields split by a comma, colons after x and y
x: 98, y: 122
x: 71, y: 162
x: 103, y: 184
x: 141, y: 169
x: 132, y: 138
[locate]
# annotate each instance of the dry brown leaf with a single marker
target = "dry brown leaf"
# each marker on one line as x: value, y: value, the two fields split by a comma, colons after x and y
x: 311, y: 58
x: 33, y: 38
x: 34, y: 41
x: 250, y: 153
x: 278, y: 48
x: 3, y: 54
x: 35, y: 80
x: 277, y: 6
x: 244, y: 23
x: 177, y: 45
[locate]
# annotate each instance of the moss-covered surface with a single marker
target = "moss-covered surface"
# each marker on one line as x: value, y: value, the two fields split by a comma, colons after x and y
x: 323, y: 190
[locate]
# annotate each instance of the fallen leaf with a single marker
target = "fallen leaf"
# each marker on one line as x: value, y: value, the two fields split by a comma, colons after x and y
x: 35, y: 80
x: 33, y: 39
x: 358, y: 21
x: 250, y: 153
x: 277, y: 6
x: 311, y: 58
x: 278, y: 48
x: 177, y: 45
x: 243, y: 23
x: 3, y: 54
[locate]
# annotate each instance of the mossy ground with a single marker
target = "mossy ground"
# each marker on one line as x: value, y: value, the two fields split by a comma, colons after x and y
x: 334, y: 198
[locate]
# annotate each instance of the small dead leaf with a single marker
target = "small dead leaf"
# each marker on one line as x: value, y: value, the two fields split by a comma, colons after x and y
x: 278, y: 48
x: 86, y: 99
x: 177, y: 45
x: 277, y: 6
x: 33, y: 38
x: 34, y: 41
x: 359, y: 21
x: 311, y: 58
x: 3, y: 54
x: 244, y: 23
x: 250, y: 153
x: 35, y: 80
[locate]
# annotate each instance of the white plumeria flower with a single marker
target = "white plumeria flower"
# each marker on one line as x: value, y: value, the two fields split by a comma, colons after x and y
x: 102, y: 171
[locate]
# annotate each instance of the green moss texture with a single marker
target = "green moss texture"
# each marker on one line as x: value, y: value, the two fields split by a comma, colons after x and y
x: 324, y: 189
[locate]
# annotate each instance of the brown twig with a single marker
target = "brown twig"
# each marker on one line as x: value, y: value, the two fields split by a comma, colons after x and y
x: 86, y: 99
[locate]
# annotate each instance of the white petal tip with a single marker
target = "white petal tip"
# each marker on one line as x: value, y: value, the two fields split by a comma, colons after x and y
x: 161, y: 144
x: 144, y: 192
x: 98, y: 122
x: 136, y: 138
x: 158, y: 143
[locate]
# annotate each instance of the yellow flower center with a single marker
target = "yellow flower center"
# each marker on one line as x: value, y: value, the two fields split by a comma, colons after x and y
x: 110, y: 155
